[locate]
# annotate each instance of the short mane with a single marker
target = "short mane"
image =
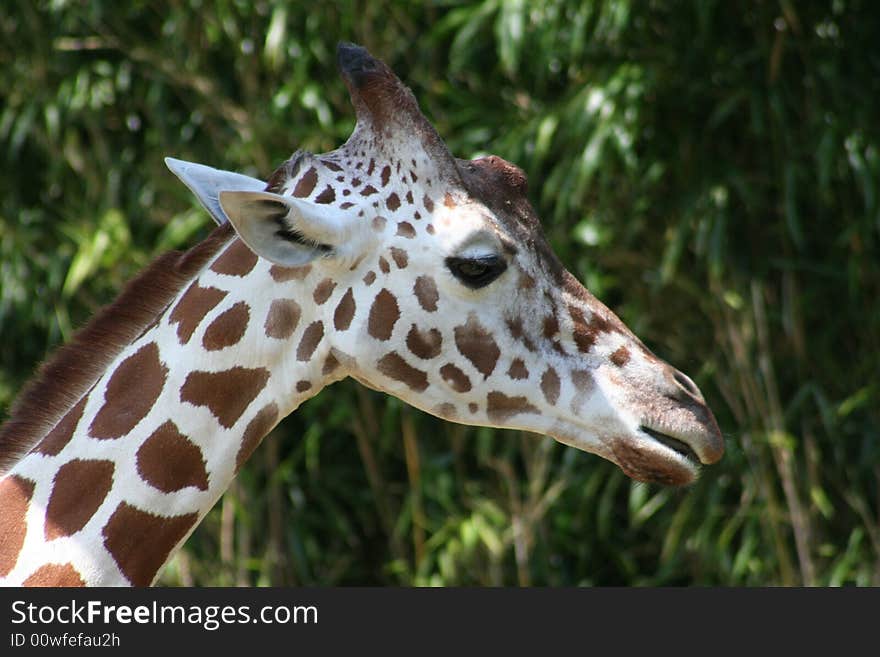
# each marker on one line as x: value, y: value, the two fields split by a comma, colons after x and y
x: 74, y: 368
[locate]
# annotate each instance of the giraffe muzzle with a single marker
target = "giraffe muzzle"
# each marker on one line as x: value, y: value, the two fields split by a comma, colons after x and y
x: 676, y: 445
x: 673, y: 445
x: 651, y: 456
x: 676, y: 434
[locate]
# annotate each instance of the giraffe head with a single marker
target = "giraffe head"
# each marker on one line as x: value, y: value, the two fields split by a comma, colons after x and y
x: 439, y: 287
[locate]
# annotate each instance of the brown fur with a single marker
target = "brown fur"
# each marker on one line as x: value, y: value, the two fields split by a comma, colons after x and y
x: 170, y: 461
x: 15, y: 496
x: 79, y: 488
x: 140, y: 542
x: 71, y: 372
x: 54, y: 575
x: 226, y: 394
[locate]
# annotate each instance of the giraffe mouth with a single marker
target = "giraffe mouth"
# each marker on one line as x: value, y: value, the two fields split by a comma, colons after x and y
x: 678, y: 446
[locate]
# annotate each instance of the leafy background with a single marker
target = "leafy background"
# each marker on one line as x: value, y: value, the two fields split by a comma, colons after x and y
x: 710, y: 169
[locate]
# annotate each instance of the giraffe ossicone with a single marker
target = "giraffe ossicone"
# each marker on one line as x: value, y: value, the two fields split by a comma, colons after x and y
x: 387, y: 260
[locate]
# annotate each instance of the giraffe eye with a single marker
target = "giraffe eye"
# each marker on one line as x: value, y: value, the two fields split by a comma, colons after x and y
x: 476, y: 272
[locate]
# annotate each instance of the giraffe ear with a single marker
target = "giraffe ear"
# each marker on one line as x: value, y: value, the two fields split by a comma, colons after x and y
x: 285, y: 230
x: 206, y: 182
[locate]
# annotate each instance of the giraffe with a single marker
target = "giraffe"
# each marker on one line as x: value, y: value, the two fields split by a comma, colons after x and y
x: 386, y: 260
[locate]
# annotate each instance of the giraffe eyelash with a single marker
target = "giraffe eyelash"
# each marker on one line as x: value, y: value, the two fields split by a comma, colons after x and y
x: 291, y: 235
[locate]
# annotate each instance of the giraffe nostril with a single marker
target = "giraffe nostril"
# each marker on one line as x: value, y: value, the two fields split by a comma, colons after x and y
x: 685, y: 383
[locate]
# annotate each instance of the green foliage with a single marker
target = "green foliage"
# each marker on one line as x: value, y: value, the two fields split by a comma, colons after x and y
x: 709, y: 169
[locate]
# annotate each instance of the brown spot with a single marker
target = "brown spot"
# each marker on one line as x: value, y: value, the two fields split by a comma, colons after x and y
x: 141, y: 542
x: 603, y: 325
x: 409, y: 195
x: 189, y: 312
x: 518, y: 370
x: 369, y: 278
x: 516, y: 331
x: 384, y: 314
x: 79, y: 488
x: 550, y: 385
x: 583, y: 380
x: 620, y: 357
x: 331, y: 165
x: 477, y: 345
x: 311, y: 337
x: 302, y: 386
x: 448, y: 201
x: 586, y: 333
x: 344, y: 312
x: 282, y: 274
x: 425, y: 290
x: 327, y: 196
x: 170, y: 461
x: 15, y: 495
x: 583, y: 386
x: 131, y: 392
x: 331, y: 363
x: 446, y: 410
x: 306, y: 184
x: 369, y: 190
x: 430, y: 229
x: 282, y: 319
x: 226, y: 394
x: 500, y: 407
x: 282, y: 175
x: 62, y: 432
x: 379, y: 223
x: 255, y: 432
x: 323, y: 291
x: 386, y: 175
x: 395, y: 367
x: 227, y: 328
x: 473, y: 408
x: 236, y: 260
x: 371, y: 166
x: 429, y: 204
x: 456, y: 379
x: 383, y: 265
x: 54, y: 575
x: 551, y: 326
x: 392, y: 202
x: 405, y: 229
x: 399, y: 256
x: 425, y: 345
x: 526, y: 282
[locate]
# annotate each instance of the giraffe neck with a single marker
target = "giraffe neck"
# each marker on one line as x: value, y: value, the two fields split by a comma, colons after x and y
x: 126, y: 474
